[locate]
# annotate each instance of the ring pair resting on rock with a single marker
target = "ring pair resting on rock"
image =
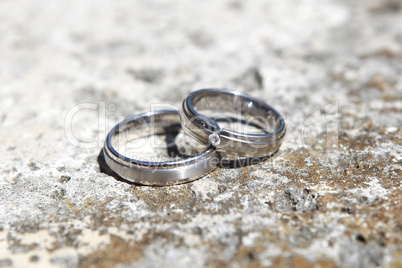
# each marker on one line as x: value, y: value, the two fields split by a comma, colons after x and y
x: 220, y: 143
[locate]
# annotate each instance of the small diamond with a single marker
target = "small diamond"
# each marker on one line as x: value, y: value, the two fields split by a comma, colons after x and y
x: 214, y: 139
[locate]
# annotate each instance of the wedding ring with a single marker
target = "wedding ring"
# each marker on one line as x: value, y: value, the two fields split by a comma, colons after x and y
x: 206, y: 129
x: 154, y: 172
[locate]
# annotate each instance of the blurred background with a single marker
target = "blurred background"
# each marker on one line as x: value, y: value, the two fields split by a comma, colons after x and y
x: 296, y: 55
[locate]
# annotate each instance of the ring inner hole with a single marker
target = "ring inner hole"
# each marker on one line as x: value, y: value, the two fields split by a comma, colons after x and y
x: 237, y: 113
x: 156, y: 138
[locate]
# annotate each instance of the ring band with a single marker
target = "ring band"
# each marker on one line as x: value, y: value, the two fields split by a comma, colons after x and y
x: 155, y: 173
x: 228, y: 142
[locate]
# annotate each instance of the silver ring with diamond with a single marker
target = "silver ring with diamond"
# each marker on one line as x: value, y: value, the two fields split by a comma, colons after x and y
x: 206, y: 130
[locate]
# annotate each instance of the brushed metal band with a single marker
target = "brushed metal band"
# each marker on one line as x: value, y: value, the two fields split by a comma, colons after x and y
x: 206, y: 130
x: 155, y: 173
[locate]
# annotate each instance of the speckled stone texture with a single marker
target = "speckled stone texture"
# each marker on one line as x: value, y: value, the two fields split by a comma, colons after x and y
x: 330, y: 198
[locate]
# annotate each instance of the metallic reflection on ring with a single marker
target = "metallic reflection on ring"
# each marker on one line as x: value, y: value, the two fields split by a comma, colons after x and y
x: 152, y: 172
x: 232, y: 144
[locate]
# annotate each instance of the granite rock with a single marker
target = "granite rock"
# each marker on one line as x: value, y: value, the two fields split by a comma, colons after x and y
x: 331, y: 197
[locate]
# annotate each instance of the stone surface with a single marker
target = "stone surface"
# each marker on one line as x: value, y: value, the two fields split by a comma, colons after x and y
x: 331, y: 197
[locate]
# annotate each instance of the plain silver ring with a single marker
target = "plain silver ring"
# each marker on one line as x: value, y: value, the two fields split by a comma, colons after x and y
x: 155, y: 173
x: 228, y: 142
